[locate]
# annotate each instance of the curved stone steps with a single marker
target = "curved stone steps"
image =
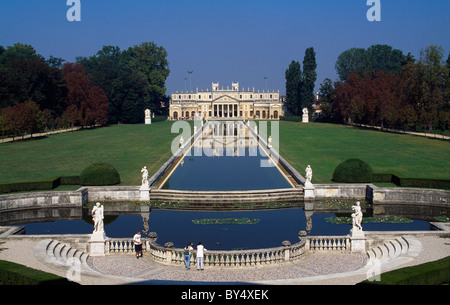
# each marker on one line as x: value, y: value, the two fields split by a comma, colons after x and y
x: 394, y: 252
x: 61, y: 256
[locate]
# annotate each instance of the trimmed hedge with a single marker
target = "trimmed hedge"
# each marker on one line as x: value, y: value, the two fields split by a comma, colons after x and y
x: 98, y: 174
x: 291, y: 118
x: 45, y: 185
x: 432, y: 273
x: 15, y: 274
x: 353, y: 171
x: 412, y: 182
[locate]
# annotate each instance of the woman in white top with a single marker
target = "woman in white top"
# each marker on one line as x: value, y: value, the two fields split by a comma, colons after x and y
x: 137, y: 244
x: 200, y: 255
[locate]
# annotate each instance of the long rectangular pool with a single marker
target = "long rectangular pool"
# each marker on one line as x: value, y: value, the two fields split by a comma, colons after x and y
x: 226, y: 157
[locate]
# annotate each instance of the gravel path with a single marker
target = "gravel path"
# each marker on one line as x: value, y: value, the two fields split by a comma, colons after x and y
x: 143, y: 268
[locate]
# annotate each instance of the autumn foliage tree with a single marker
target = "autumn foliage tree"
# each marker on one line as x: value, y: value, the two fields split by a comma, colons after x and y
x: 86, y: 105
x: 24, y: 118
x: 415, y: 97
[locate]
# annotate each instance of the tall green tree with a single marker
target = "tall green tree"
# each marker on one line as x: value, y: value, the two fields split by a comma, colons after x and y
x: 150, y: 61
x: 435, y: 83
x: 293, y: 86
x: 327, y: 96
x: 309, y: 78
x: 133, y: 80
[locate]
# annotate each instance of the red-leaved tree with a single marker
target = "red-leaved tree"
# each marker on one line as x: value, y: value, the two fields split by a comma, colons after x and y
x: 86, y: 105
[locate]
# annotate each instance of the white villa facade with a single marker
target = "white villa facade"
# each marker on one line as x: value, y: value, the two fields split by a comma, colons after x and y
x: 226, y: 104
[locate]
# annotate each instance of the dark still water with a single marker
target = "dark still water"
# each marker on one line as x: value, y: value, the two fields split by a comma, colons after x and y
x: 270, y: 228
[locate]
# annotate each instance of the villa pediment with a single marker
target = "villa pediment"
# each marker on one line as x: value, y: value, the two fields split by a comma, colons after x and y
x: 225, y: 98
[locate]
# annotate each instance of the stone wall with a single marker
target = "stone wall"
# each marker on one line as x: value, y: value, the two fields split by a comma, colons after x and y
x: 43, y: 199
x: 335, y: 191
x: 113, y: 193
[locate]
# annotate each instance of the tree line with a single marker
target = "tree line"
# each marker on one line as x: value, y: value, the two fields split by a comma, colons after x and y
x: 113, y: 86
x: 383, y: 87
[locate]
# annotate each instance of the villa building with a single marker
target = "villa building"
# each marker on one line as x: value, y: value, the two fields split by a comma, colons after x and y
x: 226, y: 104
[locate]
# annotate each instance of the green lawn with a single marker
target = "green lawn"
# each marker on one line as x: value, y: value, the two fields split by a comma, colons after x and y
x: 129, y: 147
x: 325, y: 146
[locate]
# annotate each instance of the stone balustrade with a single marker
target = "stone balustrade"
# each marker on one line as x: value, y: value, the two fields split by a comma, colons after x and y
x: 287, y: 253
x: 328, y: 244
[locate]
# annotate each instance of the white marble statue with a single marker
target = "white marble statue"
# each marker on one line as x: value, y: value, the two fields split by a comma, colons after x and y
x: 181, y: 141
x: 97, y: 217
x: 357, y: 217
x: 309, y: 174
x: 148, y: 118
x: 269, y: 142
x: 144, y: 172
x: 195, y: 129
x: 305, y: 117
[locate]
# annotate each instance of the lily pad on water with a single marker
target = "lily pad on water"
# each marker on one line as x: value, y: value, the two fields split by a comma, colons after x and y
x: 228, y: 221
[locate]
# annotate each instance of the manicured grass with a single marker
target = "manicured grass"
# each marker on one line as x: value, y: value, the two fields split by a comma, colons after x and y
x: 126, y: 147
x: 16, y: 274
x: 432, y: 273
x: 129, y: 147
x: 325, y: 146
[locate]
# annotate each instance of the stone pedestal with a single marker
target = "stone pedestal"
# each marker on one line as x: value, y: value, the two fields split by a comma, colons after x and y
x: 308, y: 189
x: 97, y: 244
x: 305, y: 118
x: 357, y: 241
x: 144, y: 193
x: 148, y: 121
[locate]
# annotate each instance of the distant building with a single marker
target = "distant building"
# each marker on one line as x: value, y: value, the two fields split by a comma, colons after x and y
x: 226, y: 103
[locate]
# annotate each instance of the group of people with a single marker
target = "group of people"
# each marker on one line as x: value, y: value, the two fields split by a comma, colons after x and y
x: 188, y: 250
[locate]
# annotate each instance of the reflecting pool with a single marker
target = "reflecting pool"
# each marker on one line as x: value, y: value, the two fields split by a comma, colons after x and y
x: 226, y: 157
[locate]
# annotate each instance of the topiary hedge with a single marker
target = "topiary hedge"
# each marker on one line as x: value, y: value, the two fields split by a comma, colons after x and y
x: 98, y: 174
x: 353, y: 171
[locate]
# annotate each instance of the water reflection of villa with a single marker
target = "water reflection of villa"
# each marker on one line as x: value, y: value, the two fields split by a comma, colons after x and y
x: 226, y: 103
x: 227, y: 138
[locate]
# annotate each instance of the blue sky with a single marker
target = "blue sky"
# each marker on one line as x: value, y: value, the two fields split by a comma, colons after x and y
x: 226, y: 41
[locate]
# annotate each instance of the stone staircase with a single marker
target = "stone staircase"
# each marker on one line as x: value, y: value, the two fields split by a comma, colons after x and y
x: 393, y: 252
x: 226, y: 198
x: 63, y: 257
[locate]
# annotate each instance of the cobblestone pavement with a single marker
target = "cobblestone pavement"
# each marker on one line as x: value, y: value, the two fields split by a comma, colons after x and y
x: 143, y: 268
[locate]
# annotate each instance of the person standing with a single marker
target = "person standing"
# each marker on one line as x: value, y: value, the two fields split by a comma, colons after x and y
x: 187, y: 255
x: 138, y: 244
x: 200, y: 255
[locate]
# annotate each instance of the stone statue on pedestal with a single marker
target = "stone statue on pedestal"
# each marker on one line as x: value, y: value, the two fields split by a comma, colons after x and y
x: 357, y: 237
x: 148, y: 118
x: 97, y: 218
x: 305, y: 117
x: 98, y: 237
